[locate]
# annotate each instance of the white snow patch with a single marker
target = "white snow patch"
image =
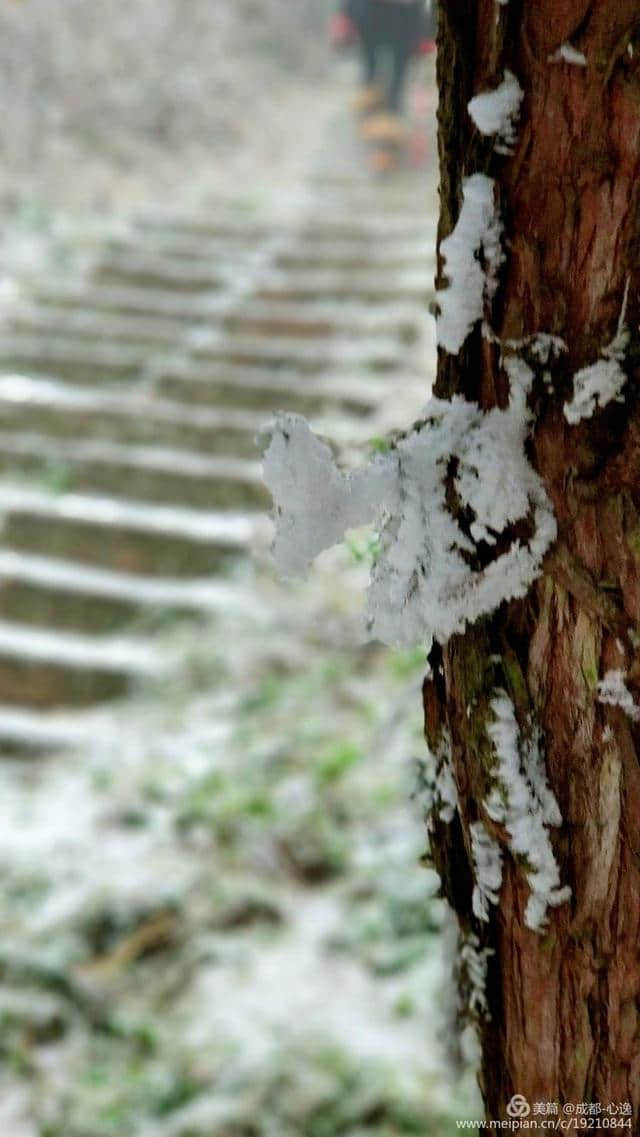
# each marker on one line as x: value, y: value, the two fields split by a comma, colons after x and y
x: 566, y: 53
x: 543, y: 346
x: 601, y: 382
x: 472, y: 254
x: 315, y: 502
x: 436, y: 789
x: 521, y: 800
x: 613, y: 690
x: 424, y: 584
x: 496, y: 112
x: 487, y: 863
x: 596, y: 385
x: 473, y: 967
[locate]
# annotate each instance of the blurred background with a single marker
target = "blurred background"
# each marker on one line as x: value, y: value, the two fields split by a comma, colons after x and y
x: 214, y: 917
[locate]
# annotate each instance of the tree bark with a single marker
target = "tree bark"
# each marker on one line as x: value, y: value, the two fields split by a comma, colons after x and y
x: 565, y: 1004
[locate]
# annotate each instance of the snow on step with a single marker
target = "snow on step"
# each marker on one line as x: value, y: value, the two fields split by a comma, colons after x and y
x: 87, y: 322
x: 46, y: 392
x: 201, y: 248
x: 226, y: 529
x: 127, y: 299
x: 287, y: 317
x: 68, y: 398
x: 370, y: 197
x: 325, y: 280
x: 71, y: 649
x: 68, y: 351
x: 366, y: 225
x: 54, y: 730
x: 369, y: 286
x: 198, y: 594
x: 228, y: 247
x: 279, y: 381
x: 156, y: 458
x: 44, y: 730
x: 208, y: 224
x: 300, y: 353
x: 179, y: 273
x: 351, y: 255
x: 357, y: 395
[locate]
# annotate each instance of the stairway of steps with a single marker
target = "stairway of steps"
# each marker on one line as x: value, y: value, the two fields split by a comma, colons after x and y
x: 131, y: 393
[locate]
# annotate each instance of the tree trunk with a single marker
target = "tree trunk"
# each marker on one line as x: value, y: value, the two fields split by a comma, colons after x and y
x: 562, y: 1020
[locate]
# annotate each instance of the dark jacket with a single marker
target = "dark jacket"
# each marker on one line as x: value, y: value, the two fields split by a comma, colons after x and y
x: 422, y: 15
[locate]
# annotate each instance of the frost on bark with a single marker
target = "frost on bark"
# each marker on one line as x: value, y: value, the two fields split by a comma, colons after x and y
x: 563, y: 1000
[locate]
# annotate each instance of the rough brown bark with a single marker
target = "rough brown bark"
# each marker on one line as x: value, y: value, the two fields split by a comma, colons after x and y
x: 565, y: 1005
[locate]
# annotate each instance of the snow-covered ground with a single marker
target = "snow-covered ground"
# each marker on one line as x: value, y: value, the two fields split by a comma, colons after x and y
x: 214, y: 917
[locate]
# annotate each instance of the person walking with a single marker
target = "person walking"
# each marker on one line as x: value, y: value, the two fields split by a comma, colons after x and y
x: 389, y: 31
x: 399, y: 28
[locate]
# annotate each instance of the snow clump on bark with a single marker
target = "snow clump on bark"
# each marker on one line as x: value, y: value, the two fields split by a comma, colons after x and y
x: 602, y: 382
x: 473, y: 966
x: 613, y: 691
x: 472, y: 254
x: 438, y: 568
x: 435, y: 789
x: 486, y: 855
x: 496, y: 112
x: 567, y: 53
x: 522, y: 801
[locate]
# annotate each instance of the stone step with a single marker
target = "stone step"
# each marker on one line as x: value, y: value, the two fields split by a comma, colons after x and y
x: 405, y: 191
x: 302, y: 355
x: 70, y: 357
x: 197, y: 310
x: 375, y: 288
x: 46, y: 667
x: 69, y: 411
x: 149, y: 473
x: 37, y: 589
x: 325, y: 319
x: 302, y: 251
x: 130, y: 536
x: 244, y: 229
x: 369, y: 226
x: 30, y: 602
x: 226, y: 384
x: 366, y: 226
x: 133, y: 299
x: 154, y: 271
x: 346, y: 255
x: 398, y: 280
x: 53, y: 320
x: 252, y: 317
x: 24, y: 731
x: 230, y: 248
